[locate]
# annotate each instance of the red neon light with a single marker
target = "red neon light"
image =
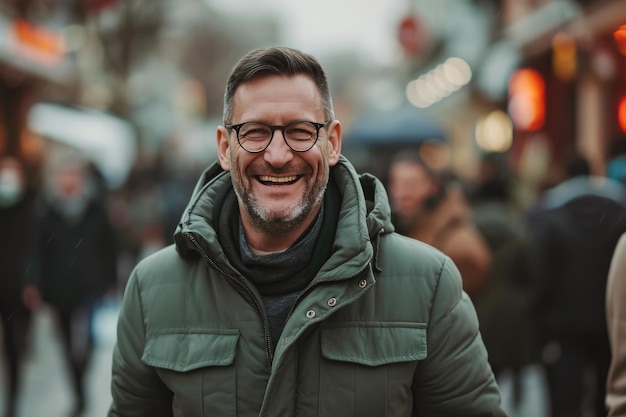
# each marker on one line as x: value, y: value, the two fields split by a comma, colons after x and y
x: 527, y: 99
x: 621, y: 114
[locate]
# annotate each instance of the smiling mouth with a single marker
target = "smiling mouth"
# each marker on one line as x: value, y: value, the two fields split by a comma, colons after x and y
x: 266, y: 179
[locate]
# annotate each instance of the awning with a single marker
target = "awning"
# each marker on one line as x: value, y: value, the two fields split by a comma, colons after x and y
x: 108, y: 141
x: 37, y: 52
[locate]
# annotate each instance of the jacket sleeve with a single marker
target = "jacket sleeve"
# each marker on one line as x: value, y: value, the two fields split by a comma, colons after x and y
x: 455, y: 379
x: 137, y: 390
x: 616, y: 320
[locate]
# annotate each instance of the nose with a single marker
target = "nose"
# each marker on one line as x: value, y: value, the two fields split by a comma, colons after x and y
x: 278, y: 153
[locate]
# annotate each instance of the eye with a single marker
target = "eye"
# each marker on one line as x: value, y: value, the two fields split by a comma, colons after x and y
x: 254, y: 131
x: 300, y: 131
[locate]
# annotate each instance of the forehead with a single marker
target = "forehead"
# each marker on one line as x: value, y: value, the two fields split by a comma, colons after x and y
x: 275, y: 96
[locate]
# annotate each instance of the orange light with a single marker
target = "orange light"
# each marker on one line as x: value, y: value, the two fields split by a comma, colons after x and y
x: 620, y: 39
x: 564, y: 56
x: 37, y: 43
x: 621, y: 114
x: 527, y: 99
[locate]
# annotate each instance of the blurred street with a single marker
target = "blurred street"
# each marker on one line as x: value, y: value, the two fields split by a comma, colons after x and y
x: 45, y: 385
x: 534, y: 402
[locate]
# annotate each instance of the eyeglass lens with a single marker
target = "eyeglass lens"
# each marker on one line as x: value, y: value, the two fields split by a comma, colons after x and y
x: 300, y: 136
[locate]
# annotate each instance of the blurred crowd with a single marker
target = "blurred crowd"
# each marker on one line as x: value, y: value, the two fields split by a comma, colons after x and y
x: 68, y: 244
x: 536, y: 273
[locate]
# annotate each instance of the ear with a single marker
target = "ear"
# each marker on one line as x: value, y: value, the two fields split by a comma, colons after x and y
x: 223, y: 147
x: 334, y: 142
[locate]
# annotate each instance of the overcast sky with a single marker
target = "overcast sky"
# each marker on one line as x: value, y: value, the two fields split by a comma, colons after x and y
x: 325, y: 25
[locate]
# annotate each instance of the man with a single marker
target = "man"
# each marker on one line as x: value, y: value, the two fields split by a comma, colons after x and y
x: 17, y: 200
x: 428, y: 209
x: 580, y: 181
x: 572, y: 241
x: 287, y: 292
x: 75, y: 262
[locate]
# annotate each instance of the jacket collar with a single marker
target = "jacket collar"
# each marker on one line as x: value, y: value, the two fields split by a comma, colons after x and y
x: 364, y: 215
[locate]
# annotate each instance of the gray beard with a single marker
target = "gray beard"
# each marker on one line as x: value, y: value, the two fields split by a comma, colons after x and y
x: 280, y: 224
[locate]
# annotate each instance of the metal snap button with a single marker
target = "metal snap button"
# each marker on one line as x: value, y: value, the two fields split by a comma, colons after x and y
x: 332, y: 301
x: 362, y: 283
x: 310, y: 314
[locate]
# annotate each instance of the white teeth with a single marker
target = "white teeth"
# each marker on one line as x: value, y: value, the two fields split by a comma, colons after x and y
x: 266, y: 178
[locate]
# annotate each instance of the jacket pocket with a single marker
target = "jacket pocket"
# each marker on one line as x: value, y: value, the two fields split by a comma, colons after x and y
x: 198, y: 366
x: 192, y: 349
x: 368, y: 368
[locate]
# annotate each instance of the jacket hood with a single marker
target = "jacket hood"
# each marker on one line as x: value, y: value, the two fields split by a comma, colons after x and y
x: 364, y: 215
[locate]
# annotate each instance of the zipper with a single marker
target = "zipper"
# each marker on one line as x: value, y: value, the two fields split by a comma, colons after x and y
x: 269, y: 351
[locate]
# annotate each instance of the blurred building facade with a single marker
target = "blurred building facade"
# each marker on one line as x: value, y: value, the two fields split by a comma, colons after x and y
x: 157, y: 65
x: 538, y: 80
x: 572, y: 59
x: 33, y: 62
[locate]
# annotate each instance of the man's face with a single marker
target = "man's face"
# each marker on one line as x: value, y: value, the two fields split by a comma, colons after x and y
x: 409, y: 188
x: 280, y: 189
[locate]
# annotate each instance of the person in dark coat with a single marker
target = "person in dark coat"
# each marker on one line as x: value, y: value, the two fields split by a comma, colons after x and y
x: 571, y: 248
x: 16, y: 211
x: 76, y: 262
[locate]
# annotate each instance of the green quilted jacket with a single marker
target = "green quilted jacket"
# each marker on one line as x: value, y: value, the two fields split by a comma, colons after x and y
x: 384, y: 329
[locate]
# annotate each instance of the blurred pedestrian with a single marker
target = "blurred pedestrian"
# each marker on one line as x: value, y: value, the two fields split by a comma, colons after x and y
x: 287, y: 292
x: 16, y: 225
x: 503, y: 304
x: 572, y: 242
x: 580, y: 181
x: 428, y: 207
x: 616, y: 323
x: 75, y: 262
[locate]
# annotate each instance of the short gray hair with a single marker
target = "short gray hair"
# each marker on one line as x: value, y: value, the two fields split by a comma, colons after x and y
x: 277, y: 61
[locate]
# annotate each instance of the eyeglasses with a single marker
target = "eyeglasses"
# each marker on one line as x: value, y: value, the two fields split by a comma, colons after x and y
x: 255, y: 137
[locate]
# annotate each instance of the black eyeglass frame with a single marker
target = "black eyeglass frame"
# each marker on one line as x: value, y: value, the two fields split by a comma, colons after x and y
x: 318, y: 126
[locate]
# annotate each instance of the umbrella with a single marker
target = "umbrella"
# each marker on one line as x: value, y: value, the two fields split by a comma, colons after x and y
x: 374, y: 138
x: 402, y: 127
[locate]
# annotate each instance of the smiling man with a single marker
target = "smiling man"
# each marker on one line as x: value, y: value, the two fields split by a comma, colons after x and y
x: 287, y: 291
x: 280, y: 183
